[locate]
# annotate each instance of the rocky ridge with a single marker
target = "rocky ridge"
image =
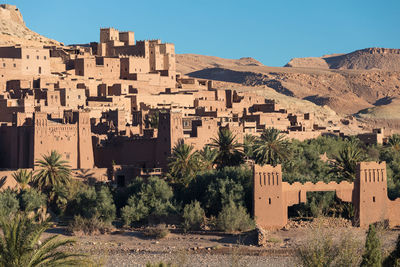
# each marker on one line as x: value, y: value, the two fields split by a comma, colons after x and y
x: 364, y: 59
x: 14, y: 31
x: 346, y: 91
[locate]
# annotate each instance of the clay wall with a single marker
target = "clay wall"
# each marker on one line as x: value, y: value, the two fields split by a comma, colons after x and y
x: 153, y: 101
x: 202, y: 132
x: 303, y: 135
x: 210, y: 105
x: 170, y: 131
x: 127, y: 37
x: 49, y: 135
x: 57, y: 65
x: 368, y: 194
x: 24, y: 61
x: 371, y: 204
x: 72, y: 98
x: 108, y: 34
x: 270, y: 209
x: 131, y: 65
x: 371, y: 138
x: 35, y: 61
x: 123, y: 151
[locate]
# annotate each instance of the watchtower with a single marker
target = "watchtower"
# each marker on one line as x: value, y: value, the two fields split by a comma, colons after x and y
x: 85, y: 148
x: 270, y: 209
x: 371, y: 200
x: 170, y: 131
x: 108, y: 34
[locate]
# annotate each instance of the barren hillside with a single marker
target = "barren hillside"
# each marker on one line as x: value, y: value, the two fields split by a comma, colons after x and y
x: 364, y: 59
x: 345, y: 91
x: 13, y: 30
x: 191, y: 62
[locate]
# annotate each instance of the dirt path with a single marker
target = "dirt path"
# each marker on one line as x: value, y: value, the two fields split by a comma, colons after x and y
x: 132, y: 248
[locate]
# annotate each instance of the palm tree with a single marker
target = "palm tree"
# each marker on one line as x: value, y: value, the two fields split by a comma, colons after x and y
x: 271, y: 147
x: 345, y: 164
x: 23, y: 177
x: 183, y: 162
x: 248, y: 145
x: 20, y: 245
x: 229, y: 150
x: 53, y: 171
x: 394, y: 142
x: 207, y: 157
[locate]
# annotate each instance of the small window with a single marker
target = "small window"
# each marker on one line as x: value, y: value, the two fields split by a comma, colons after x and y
x: 27, y: 56
x: 373, y: 199
x: 4, y: 65
x: 79, y: 97
x: 15, y: 65
x: 269, y: 201
x: 37, y: 57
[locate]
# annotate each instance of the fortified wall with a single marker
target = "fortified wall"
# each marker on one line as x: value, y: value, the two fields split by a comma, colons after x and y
x: 368, y: 193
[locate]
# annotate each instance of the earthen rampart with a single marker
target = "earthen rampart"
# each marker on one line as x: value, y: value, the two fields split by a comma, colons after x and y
x: 368, y: 194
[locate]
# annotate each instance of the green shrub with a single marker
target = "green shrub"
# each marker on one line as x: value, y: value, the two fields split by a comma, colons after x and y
x: 372, y: 256
x: 215, y: 188
x: 221, y: 192
x: 152, y: 200
x: 31, y: 200
x: 9, y: 203
x: 234, y: 218
x: 158, y: 232
x: 90, y: 203
x: 88, y: 226
x: 193, y: 216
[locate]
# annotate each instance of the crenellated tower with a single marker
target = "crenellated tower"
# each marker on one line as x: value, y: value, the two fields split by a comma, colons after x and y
x: 370, y: 198
x: 270, y: 209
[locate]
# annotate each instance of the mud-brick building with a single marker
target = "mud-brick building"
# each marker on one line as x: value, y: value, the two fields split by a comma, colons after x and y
x: 27, y: 140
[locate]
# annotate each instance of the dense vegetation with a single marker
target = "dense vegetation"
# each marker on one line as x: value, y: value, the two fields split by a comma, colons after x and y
x: 206, y: 189
x: 200, y: 184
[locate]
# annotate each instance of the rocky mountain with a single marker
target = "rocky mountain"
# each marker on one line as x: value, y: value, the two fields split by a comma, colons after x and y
x: 14, y: 31
x: 364, y: 59
x: 347, y: 91
x: 191, y: 62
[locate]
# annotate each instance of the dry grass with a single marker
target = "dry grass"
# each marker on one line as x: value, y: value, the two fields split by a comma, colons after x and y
x: 321, y: 249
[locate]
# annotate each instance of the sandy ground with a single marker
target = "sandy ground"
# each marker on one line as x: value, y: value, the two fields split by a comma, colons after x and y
x: 132, y: 248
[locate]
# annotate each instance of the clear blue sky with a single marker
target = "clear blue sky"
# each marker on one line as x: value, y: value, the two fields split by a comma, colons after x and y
x: 271, y: 31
